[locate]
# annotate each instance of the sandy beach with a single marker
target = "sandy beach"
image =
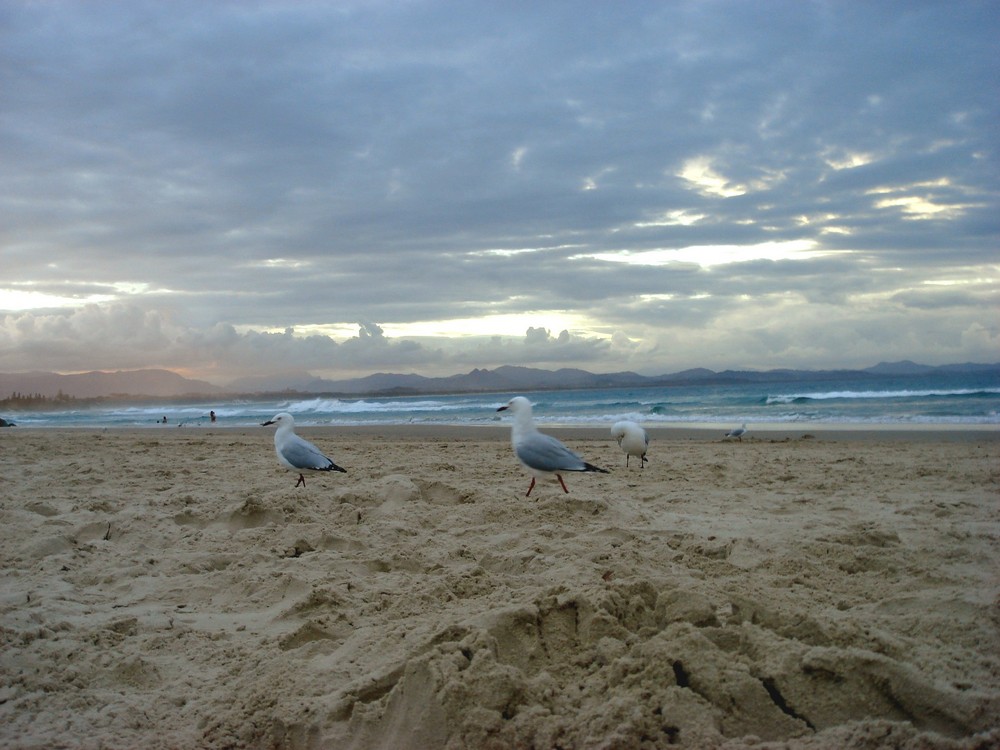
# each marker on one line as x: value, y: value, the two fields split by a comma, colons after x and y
x: 172, y: 588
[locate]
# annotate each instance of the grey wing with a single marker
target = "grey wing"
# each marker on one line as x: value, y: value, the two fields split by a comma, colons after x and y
x: 304, y: 455
x: 545, y: 453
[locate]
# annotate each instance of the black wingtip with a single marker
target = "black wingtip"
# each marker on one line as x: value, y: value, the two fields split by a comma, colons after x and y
x: 591, y: 467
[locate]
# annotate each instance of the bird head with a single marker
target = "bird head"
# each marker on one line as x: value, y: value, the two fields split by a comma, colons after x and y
x: 282, y: 419
x: 618, y: 431
x: 517, y: 405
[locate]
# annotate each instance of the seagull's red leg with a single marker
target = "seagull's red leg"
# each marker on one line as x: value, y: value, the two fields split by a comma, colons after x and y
x: 562, y: 483
x: 530, y: 487
x: 302, y: 481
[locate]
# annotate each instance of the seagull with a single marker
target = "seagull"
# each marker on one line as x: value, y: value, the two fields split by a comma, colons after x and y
x: 737, y: 432
x: 632, y: 439
x: 294, y: 452
x: 541, y: 454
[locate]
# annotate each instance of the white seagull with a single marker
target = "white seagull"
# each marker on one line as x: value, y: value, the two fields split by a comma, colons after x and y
x: 737, y: 432
x: 632, y: 439
x: 296, y: 453
x: 540, y: 454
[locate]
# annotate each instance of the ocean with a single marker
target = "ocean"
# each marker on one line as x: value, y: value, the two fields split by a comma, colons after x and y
x: 937, y: 399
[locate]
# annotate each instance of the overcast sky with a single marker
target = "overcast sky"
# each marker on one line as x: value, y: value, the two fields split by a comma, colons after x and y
x: 242, y: 188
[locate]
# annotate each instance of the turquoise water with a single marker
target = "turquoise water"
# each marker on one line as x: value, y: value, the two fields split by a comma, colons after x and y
x: 936, y: 399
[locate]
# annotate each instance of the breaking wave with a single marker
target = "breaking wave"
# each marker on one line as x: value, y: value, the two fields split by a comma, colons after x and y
x: 800, y: 398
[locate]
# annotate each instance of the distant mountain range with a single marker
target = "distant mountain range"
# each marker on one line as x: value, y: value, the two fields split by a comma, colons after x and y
x: 168, y: 384
x: 159, y: 383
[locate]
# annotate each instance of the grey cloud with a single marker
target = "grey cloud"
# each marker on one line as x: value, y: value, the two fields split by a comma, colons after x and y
x: 977, y: 297
x: 126, y: 336
x: 275, y: 165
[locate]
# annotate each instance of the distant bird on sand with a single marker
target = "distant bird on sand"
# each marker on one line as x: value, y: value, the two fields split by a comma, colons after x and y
x: 541, y: 454
x: 632, y: 439
x: 737, y: 432
x: 294, y: 452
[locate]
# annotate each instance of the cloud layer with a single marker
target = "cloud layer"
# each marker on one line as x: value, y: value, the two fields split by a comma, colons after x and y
x: 241, y: 188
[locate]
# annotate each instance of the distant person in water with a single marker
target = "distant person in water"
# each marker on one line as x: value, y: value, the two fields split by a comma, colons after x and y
x: 164, y: 420
x: 212, y: 415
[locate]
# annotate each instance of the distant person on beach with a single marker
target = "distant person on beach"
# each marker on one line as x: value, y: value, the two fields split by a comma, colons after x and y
x: 212, y: 415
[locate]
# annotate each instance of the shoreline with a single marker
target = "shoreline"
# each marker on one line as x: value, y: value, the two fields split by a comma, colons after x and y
x: 702, y: 432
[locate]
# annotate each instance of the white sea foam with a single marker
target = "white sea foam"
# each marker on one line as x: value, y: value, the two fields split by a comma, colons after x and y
x: 363, y: 406
x: 790, y: 398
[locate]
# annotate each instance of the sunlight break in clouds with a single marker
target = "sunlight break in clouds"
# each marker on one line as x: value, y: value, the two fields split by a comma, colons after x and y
x: 849, y: 160
x: 506, y: 252
x: 707, y: 181
x: 916, y: 206
x: 503, y: 324
x: 715, y: 255
x: 287, y: 263
x: 679, y: 218
x: 335, y: 331
x: 16, y: 300
x: 19, y: 300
